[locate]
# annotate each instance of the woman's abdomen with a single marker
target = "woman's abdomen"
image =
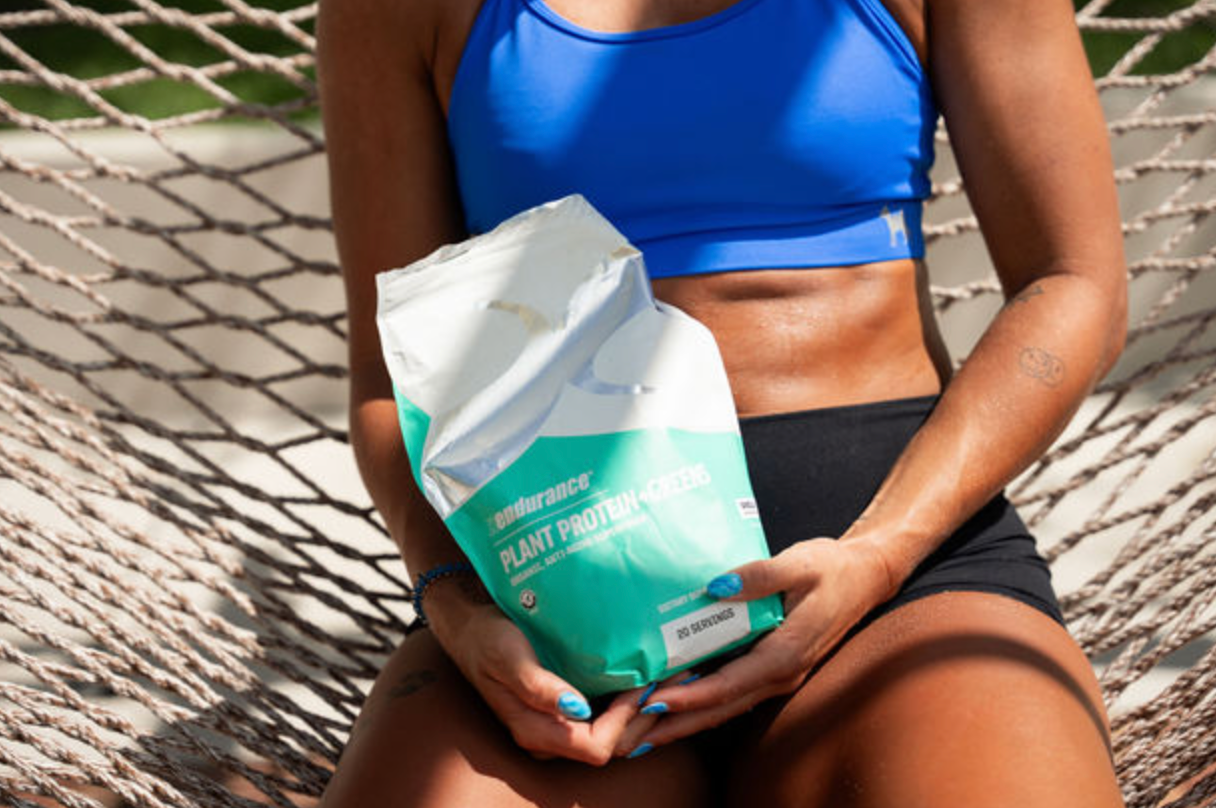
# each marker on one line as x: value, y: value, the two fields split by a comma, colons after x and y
x: 795, y: 339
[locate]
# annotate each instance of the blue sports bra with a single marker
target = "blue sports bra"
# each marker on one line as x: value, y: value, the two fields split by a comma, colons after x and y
x: 774, y: 133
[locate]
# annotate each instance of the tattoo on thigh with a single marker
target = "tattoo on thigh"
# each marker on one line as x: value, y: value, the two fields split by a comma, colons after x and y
x: 1042, y: 365
x: 1025, y: 295
x: 412, y: 682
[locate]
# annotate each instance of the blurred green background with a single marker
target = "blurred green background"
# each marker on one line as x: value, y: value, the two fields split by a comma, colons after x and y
x: 1176, y: 50
x: 84, y: 53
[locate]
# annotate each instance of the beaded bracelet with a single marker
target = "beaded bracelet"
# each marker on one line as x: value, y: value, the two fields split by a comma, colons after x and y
x: 431, y: 576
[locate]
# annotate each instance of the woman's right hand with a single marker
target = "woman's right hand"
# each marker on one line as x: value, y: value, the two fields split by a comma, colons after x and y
x: 546, y: 716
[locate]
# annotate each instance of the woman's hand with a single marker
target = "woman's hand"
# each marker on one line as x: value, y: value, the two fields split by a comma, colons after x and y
x: 546, y: 716
x: 828, y: 586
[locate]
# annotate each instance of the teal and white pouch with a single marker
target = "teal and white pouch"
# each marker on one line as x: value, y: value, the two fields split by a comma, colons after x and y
x: 580, y: 442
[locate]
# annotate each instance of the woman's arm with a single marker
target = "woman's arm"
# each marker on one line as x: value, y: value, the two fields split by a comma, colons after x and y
x: 394, y: 200
x: 1014, y: 86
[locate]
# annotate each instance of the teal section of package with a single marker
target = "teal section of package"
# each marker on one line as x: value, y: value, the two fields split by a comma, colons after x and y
x: 415, y: 424
x: 599, y: 547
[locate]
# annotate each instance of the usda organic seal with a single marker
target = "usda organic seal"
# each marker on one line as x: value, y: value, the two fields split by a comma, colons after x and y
x: 527, y: 599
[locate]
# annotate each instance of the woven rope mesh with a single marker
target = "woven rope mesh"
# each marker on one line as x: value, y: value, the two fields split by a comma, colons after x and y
x: 194, y: 592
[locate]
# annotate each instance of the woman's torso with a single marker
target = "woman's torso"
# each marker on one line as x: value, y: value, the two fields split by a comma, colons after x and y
x: 791, y: 338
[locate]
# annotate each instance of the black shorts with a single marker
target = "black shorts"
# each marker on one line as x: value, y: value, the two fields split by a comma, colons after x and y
x: 815, y: 471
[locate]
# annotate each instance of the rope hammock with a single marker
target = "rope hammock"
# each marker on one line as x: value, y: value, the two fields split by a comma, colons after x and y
x: 195, y: 594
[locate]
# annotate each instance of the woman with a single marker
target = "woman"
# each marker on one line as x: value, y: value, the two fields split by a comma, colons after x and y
x: 769, y: 158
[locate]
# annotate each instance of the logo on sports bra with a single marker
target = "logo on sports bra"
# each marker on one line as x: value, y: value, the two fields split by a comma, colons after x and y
x: 895, y: 224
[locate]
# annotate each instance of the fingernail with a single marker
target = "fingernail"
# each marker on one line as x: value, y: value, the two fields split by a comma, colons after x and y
x: 657, y: 708
x: 641, y: 750
x: 692, y: 677
x: 647, y: 693
x: 725, y: 586
x: 574, y: 706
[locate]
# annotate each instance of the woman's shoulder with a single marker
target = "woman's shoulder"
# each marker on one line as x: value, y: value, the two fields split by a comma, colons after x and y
x: 364, y: 30
x: 419, y: 37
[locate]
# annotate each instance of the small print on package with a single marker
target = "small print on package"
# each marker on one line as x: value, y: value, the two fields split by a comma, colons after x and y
x: 580, y: 442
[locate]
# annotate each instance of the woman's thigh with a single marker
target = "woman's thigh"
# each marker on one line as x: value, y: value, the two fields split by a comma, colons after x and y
x: 425, y: 739
x: 960, y: 698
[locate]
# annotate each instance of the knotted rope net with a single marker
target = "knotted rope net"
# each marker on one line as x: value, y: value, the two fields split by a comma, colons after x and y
x: 194, y: 592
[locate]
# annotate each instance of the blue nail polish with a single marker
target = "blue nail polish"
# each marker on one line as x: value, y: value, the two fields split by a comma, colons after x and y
x: 641, y: 750
x: 647, y: 693
x: 692, y: 677
x: 724, y: 586
x: 658, y: 708
x: 574, y: 706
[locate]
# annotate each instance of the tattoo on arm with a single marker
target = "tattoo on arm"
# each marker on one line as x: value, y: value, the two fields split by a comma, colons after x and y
x: 412, y: 682
x: 1042, y: 365
x: 1025, y: 295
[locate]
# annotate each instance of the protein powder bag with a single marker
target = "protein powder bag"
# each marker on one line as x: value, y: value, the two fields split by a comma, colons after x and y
x: 580, y: 441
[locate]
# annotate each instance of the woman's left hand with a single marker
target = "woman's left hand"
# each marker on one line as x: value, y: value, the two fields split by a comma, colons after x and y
x: 828, y: 586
